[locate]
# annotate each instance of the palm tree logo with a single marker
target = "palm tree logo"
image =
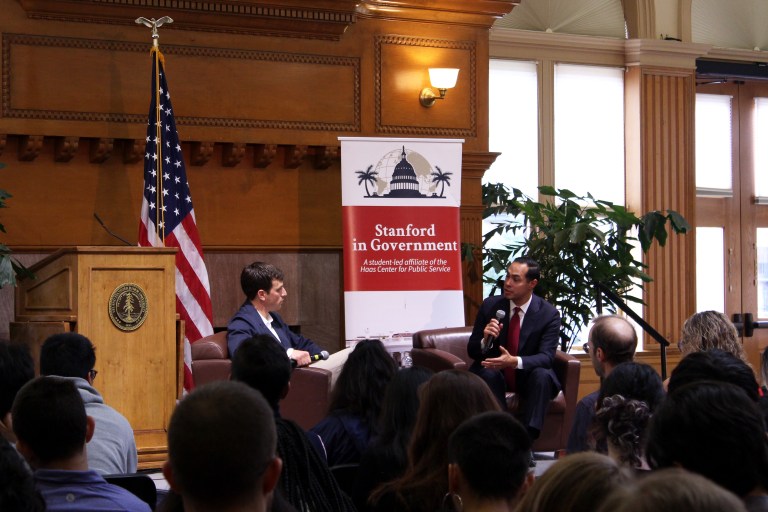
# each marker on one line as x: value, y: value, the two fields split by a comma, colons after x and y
x: 443, y: 178
x: 367, y: 176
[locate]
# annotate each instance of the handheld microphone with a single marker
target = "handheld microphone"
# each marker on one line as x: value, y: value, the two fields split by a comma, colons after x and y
x: 322, y: 356
x: 500, y: 314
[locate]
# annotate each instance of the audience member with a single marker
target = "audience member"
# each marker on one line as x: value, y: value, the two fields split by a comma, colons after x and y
x: 488, y: 467
x: 517, y: 354
x: 709, y: 330
x: 387, y: 456
x: 716, y: 430
x: 17, y: 487
x: 16, y: 369
x: 356, y: 402
x: 265, y: 292
x: 112, y: 450
x: 50, y: 423
x: 672, y: 490
x: 221, y: 449
x: 305, y: 482
x: 612, y: 341
x: 628, y: 398
x: 446, y: 400
x: 717, y: 365
x: 576, y: 483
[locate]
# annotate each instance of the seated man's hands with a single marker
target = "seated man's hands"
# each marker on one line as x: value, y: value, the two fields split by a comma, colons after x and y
x: 301, y: 357
x: 505, y: 360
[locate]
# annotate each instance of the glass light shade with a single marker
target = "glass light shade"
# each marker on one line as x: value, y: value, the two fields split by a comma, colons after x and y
x: 443, y: 78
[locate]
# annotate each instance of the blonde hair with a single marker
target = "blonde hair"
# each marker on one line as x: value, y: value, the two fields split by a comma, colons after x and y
x: 576, y: 483
x: 709, y: 330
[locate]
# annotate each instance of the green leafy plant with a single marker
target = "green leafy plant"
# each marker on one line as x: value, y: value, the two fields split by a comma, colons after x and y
x: 10, y: 267
x: 579, y: 241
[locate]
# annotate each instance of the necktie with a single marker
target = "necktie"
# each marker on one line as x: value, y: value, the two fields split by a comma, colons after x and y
x: 513, y: 342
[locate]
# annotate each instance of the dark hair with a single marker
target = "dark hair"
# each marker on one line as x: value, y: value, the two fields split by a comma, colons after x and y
x: 259, y: 276
x: 492, y: 450
x: 261, y: 362
x: 716, y: 365
x: 615, y: 336
x: 16, y: 369
x: 623, y: 424
x: 362, y: 381
x: 446, y: 400
x: 634, y: 381
x: 49, y: 417
x: 17, y: 487
x: 714, y: 429
x: 672, y: 489
x: 67, y: 354
x: 221, y: 439
x: 534, y: 270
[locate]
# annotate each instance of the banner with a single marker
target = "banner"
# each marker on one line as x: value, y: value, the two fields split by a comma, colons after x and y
x: 402, y: 249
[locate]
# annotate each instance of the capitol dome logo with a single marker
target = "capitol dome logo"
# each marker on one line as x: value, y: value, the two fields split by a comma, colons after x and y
x: 404, y: 173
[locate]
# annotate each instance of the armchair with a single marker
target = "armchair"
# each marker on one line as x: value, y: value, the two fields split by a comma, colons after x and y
x: 444, y: 349
x: 307, y: 401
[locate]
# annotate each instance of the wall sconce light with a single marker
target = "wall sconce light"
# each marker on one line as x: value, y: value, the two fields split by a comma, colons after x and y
x: 441, y: 79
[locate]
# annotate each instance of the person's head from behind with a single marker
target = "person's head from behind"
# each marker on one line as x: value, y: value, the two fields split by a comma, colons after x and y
x: 714, y: 429
x: 68, y: 354
x: 401, y: 403
x: 709, y: 330
x: 16, y: 369
x: 488, y: 456
x: 363, y: 380
x: 221, y: 448
x: 261, y: 362
x: 612, y: 341
x: 623, y: 423
x: 262, y: 283
x: 716, y: 365
x: 672, y: 490
x: 50, y: 424
x: 446, y: 400
x: 635, y: 381
x: 576, y: 483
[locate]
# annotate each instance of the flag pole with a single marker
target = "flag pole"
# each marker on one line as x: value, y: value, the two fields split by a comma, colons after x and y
x: 158, y: 58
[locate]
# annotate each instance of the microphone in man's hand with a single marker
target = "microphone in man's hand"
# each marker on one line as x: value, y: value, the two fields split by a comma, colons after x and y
x: 322, y: 356
x: 500, y: 314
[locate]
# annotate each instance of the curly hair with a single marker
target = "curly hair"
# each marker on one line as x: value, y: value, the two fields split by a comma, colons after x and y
x: 623, y: 423
x: 709, y: 330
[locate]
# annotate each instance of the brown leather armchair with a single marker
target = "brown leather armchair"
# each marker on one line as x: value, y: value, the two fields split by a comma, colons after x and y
x: 445, y: 349
x: 307, y: 401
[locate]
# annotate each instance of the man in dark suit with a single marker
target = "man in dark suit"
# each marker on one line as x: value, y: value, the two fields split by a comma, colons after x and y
x: 263, y: 286
x: 516, y: 353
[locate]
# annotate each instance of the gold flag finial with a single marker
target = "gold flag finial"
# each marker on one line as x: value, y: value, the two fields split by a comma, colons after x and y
x: 154, y: 24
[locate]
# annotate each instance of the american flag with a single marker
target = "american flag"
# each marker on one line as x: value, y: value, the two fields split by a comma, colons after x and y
x: 168, y: 218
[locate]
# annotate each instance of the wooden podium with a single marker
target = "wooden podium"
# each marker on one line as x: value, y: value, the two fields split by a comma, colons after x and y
x: 139, y: 370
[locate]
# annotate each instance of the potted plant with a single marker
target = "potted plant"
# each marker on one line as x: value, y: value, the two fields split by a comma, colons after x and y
x: 579, y: 241
x: 10, y: 267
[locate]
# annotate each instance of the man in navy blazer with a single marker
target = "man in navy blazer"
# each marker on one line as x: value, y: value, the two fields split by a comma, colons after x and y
x: 263, y: 286
x: 534, y: 379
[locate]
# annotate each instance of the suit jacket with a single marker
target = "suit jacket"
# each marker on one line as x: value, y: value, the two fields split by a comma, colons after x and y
x: 247, y: 323
x: 539, y: 334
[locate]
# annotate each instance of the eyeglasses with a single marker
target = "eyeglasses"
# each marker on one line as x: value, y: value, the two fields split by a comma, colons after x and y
x: 92, y: 374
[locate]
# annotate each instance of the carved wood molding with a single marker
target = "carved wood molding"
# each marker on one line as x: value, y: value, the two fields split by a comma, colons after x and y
x: 478, y: 13
x: 232, y: 153
x: 416, y: 42
x: 324, y: 156
x: 100, y: 150
x: 326, y: 19
x: 263, y: 155
x: 201, y: 152
x: 133, y: 150
x: 11, y: 40
x: 293, y: 156
x: 30, y: 147
x: 3, y: 141
x: 65, y: 148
